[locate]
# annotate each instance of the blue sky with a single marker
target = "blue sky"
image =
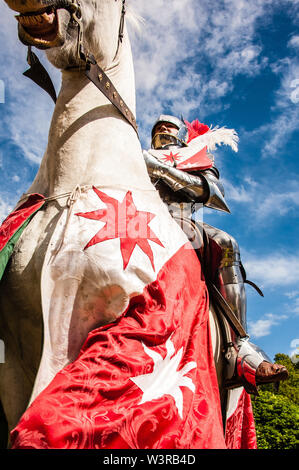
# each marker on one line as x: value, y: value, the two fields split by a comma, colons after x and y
x: 230, y: 63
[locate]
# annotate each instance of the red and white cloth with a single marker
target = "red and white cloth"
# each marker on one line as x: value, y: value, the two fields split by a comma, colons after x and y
x: 240, y: 427
x: 194, y: 157
x: 145, y: 379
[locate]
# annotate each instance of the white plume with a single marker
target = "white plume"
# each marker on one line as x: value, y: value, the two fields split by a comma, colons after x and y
x: 221, y: 135
x: 216, y: 136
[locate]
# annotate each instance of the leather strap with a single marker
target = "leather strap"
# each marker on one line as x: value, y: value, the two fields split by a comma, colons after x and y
x: 226, y: 310
x: 252, y: 284
x: 98, y: 77
x: 38, y: 74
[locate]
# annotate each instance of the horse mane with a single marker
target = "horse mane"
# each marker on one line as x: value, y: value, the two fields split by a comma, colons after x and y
x: 134, y: 19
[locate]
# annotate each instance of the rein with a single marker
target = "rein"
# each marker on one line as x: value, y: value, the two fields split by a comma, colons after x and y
x: 93, y: 71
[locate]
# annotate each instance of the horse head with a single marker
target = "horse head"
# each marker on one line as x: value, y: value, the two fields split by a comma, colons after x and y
x: 55, y: 26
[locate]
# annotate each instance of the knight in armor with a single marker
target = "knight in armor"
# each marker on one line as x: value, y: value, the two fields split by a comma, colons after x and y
x: 182, y: 169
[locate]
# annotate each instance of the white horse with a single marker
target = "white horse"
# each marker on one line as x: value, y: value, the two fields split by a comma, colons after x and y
x: 53, y: 293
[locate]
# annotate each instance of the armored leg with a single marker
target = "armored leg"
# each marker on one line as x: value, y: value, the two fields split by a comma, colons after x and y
x: 252, y: 366
x: 230, y: 277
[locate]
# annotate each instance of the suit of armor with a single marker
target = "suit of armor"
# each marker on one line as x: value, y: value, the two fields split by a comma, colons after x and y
x: 204, y: 186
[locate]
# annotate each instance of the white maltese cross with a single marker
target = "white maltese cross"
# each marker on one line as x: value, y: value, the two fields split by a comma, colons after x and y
x: 165, y: 379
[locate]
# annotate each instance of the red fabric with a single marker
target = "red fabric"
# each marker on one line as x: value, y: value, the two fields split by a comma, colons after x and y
x: 16, y: 219
x: 240, y: 428
x: 211, y: 256
x: 93, y: 403
x: 121, y: 221
x: 199, y: 161
x: 246, y: 371
x: 187, y: 158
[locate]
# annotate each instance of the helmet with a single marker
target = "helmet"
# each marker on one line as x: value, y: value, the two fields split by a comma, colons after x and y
x: 162, y: 139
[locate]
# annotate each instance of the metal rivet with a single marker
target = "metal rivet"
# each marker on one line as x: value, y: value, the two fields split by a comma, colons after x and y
x: 100, y: 77
x: 114, y: 95
x: 121, y: 103
x: 107, y: 85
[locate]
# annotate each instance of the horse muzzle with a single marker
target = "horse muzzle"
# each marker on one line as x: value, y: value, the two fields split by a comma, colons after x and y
x: 42, y: 23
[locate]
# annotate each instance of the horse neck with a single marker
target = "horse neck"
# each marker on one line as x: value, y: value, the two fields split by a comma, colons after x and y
x: 89, y: 141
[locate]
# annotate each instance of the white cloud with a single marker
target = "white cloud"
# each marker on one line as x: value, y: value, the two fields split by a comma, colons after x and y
x: 290, y: 73
x: 5, y: 208
x: 261, y: 201
x: 264, y: 326
x: 272, y: 270
x: 239, y: 194
x: 276, y: 204
x: 278, y: 132
x: 295, y: 306
x: 294, y: 41
x: 293, y: 296
x: 176, y: 46
x: 242, y: 61
x: 285, y: 109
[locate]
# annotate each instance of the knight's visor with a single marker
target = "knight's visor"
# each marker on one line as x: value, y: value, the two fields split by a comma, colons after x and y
x: 161, y: 140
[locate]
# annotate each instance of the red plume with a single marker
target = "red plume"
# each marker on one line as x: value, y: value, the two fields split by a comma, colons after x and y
x: 196, y: 128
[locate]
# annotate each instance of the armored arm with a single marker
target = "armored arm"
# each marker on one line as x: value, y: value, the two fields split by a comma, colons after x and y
x: 203, y: 186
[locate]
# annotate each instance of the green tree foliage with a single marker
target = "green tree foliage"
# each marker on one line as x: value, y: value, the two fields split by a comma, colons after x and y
x: 276, y: 411
x: 276, y: 421
x: 289, y: 388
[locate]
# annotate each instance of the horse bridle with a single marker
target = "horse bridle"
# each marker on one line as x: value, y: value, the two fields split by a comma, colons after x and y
x: 93, y: 71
